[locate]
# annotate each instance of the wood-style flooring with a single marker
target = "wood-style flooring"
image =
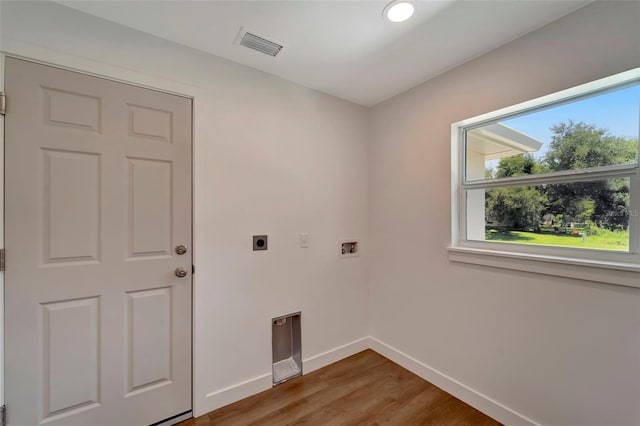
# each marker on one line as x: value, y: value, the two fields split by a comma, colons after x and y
x: 364, y: 389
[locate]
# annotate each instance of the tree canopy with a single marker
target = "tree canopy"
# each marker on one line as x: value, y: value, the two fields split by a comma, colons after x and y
x: 518, y: 165
x: 574, y: 145
x: 580, y: 146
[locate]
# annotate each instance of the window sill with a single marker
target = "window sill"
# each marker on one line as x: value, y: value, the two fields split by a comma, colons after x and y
x: 617, y: 273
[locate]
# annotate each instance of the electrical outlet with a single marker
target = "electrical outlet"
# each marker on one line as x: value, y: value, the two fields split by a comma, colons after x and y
x: 260, y: 242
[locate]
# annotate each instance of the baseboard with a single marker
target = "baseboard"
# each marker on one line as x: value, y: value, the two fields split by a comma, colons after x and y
x: 231, y: 394
x: 334, y: 355
x: 228, y: 395
x: 494, y: 409
x: 477, y: 400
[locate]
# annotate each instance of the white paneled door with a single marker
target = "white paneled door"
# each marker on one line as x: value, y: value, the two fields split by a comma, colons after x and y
x: 98, y: 298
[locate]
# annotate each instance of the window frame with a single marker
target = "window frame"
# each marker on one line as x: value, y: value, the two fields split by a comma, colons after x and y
x: 589, y: 264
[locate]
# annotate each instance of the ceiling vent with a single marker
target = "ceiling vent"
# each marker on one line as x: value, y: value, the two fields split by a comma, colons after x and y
x: 259, y: 42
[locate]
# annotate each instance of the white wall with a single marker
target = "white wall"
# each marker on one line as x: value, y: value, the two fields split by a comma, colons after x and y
x: 270, y: 157
x: 556, y: 351
x: 1, y: 228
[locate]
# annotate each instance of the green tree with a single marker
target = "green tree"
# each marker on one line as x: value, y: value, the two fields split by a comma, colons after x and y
x: 518, y: 165
x: 579, y: 146
x: 574, y: 145
x: 516, y: 207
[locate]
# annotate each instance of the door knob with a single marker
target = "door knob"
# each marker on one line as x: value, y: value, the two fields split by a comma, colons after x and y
x: 180, y: 250
x: 181, y: 272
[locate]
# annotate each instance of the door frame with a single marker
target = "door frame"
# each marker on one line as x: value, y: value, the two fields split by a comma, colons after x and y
x: 119, y: 75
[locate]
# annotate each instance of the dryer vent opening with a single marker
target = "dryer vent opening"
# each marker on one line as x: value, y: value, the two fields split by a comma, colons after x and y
x: 286, y: 340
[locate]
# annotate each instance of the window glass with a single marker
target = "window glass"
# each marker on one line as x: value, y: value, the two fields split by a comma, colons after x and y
x: 596, y: 131
x: 588, y: 214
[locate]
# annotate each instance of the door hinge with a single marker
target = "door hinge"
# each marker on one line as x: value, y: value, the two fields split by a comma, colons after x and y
x: 3, y: 103
x: 193, y: 269
x: 3, y: 414
x: 2, y: 260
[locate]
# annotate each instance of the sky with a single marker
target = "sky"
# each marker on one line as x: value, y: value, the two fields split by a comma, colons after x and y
x: 617, y: 111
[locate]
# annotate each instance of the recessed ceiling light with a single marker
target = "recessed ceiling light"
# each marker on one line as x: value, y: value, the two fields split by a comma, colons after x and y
x: 398, y: 10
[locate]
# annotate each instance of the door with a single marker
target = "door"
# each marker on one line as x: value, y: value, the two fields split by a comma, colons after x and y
x: 98, y: 196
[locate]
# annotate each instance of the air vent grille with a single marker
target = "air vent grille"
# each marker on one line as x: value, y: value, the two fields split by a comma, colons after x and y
x: 260, y: 44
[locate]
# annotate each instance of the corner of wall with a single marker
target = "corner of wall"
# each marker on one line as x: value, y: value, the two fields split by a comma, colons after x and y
x: 470, y: 396
x: 252, y: 386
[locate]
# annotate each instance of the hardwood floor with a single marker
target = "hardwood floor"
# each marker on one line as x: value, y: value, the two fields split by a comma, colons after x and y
x: 364, y: 389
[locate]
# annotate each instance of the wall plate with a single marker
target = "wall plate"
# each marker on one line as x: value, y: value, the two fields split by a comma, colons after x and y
x: 260, y: 242
x: 349, y: 247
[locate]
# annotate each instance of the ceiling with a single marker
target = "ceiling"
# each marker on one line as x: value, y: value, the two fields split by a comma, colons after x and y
x: 344, y: 48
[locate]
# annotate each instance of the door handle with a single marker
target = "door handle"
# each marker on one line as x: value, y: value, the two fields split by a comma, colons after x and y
x: 180, y: 272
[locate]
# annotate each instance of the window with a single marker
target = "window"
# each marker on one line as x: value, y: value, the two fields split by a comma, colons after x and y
x: 552, y: 185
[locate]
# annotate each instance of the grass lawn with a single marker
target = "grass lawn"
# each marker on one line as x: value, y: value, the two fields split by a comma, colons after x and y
x: 607, y: 240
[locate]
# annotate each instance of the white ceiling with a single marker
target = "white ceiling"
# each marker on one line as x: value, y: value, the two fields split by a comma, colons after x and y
x: 343, y: 48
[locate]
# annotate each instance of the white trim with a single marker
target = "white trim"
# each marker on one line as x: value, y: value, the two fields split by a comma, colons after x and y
x: 45, y: 56
x: 93, y: 74
x: 483, y: 403
x: 634, y: 206
x: 470, y: 396
x: 233, y: 393
x: 334, y: 355
x: 592, y: 265
x: 582, y: 269
x: 2, y: 236
x: 457, y: 202
x: 238, y: 391
x: 564, y: 176
x: 504, y: 137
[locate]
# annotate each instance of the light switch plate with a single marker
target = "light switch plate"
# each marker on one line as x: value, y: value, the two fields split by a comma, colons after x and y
x: 304, y: 240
